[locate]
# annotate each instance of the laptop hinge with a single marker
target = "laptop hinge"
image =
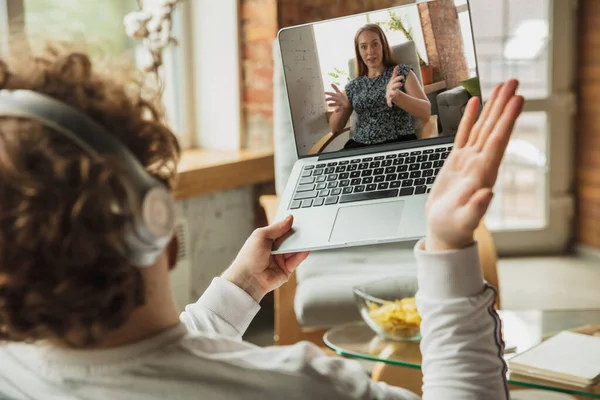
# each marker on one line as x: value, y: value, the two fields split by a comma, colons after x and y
x: 385, y: 148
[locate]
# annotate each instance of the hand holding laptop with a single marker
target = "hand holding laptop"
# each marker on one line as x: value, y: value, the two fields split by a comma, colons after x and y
x: 462, y: 191
x: 458, y: 200
x: 258, y: 272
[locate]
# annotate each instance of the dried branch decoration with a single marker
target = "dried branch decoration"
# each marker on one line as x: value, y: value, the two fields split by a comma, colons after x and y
x: 153, y: 25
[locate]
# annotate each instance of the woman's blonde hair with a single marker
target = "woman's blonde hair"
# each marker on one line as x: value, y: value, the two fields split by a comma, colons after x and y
x: 61, y: 277
x: 388, y: 60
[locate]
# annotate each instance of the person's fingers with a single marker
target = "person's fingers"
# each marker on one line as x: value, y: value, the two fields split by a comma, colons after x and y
x: 396, y: 86
x: 278, y: 229
x: 396, y: 82
x: 496, y: 145
x: 481, y: 200
x: 472, y: 213
x: 395, y: 72
x: 507, y: 93
x: 336, y: 88
x: 389, y: 100
x: 294, y: 260
x: 465, y: 128
x: 279, y: 260
x: 462, y: 190
x: 331, y: 94
x: 484, y: 114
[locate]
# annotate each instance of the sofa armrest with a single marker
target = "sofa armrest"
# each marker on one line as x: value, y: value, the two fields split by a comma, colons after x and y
x: 324, y: 141
x: 451, y: 105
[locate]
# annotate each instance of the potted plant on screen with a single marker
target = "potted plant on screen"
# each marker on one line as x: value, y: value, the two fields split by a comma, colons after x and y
x: 399, y: 24
x: 340, y: 77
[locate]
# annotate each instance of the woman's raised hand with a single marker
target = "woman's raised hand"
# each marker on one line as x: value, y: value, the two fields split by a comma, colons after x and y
x: 337, y: 99
x: 394, y: 86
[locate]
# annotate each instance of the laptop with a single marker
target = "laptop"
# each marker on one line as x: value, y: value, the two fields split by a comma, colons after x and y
x: 363, y: 173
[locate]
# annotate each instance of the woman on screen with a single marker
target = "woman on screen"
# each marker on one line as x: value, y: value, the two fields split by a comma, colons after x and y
x: 385, y: 95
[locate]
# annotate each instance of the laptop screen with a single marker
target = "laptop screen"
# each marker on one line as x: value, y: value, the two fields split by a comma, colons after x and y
x: 388, y: 76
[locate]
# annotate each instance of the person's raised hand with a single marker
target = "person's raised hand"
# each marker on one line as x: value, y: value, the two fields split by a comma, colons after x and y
x: 393, y: 87
x: 462, y: 191
x: 255, y: 269
x: 337, y: 99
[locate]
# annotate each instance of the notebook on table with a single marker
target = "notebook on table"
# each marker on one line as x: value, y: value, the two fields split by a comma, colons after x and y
x: 568, y: 357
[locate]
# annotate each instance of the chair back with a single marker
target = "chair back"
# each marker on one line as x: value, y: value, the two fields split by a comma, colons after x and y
x: 404, y: 53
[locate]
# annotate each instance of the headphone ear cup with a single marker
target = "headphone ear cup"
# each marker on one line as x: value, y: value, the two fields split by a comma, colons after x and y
x: 159, y: 214
x: 152, y: 228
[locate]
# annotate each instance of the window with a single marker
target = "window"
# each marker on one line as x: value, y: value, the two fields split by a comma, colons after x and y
x: 531, y: 40
x: 100, y: 23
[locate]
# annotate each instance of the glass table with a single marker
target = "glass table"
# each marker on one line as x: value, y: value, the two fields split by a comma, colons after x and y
x: 521, y: 331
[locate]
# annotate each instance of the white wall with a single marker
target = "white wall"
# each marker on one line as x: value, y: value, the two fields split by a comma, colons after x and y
x: 216, y: 73
x: 218, y: 226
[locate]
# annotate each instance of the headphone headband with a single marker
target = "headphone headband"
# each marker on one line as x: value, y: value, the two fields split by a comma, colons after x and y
x: 152, y: 204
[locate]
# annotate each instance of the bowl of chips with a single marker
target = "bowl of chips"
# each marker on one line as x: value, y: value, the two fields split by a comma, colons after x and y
x: 388, y: 307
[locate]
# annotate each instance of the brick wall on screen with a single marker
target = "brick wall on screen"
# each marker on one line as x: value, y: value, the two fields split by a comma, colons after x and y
x: 294, y: 12
x: 588, y: 125
x: 444, y: 42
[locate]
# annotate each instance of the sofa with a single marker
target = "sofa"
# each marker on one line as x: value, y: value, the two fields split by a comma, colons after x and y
x: 451, y: 107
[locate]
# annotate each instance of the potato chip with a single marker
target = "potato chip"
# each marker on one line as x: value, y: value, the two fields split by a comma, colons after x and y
x: 397, y: 318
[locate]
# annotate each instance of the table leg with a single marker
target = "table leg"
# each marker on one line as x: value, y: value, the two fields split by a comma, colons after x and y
x: 404, y: 377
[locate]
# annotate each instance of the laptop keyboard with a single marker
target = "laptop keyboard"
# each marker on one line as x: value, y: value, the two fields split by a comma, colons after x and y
x: 369, y: 178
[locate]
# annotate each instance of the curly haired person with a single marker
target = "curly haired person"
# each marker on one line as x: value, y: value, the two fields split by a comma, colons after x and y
x: 79, y: 320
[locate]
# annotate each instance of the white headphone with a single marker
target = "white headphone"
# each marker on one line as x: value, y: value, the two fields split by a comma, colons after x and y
x: 152, y: 204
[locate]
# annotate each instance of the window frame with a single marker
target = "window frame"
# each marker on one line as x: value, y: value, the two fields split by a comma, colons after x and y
x: 12, y: 23
x: 177, y: 70
x: 217, y: 89
x: 560, y: 109
x: 174, y: 72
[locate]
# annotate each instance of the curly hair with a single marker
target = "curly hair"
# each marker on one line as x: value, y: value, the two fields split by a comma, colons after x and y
x: 61, y: 276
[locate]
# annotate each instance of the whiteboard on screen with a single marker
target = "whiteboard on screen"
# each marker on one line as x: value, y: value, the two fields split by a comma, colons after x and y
x: 304, y: 85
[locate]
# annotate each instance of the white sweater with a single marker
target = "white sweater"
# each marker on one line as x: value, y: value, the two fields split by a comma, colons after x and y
x: 204, y: 357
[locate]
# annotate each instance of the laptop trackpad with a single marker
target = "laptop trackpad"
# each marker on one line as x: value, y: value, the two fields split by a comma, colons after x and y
x: 367, y: 222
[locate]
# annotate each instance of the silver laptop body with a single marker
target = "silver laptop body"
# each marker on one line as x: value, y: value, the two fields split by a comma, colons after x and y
x: 360, y: 196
